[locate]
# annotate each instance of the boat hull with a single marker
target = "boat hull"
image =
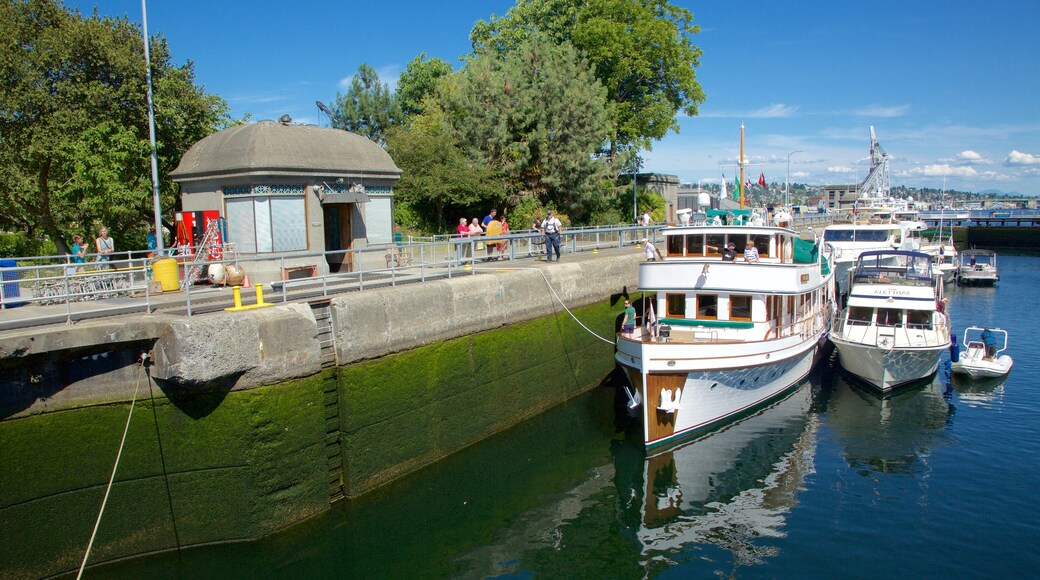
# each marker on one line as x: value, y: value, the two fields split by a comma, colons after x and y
x: 980, y: 369
x: 714, y: 395
x: 887, y: 368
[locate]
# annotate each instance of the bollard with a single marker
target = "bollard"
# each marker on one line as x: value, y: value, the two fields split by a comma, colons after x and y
x: 260, y: 295
x: 237, y: 290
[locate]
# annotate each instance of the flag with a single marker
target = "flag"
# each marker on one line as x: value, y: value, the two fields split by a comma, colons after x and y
x: 736, y: 187
x: 762, y: 179
x: 724, y: 194
x: 747, y: 184
x: 651, y: 321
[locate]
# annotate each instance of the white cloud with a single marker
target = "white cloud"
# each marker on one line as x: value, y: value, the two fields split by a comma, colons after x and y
x: 774, y: 111
x: 800, y: 174
x: 839, y: 169
x: 388, y: 74
x: 882, y: 111
x: 943, y: 169
x: 1019, y: 158
x: 969, y: 156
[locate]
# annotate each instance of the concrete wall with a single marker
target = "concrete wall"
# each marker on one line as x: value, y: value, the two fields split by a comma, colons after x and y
x: 237, y: 433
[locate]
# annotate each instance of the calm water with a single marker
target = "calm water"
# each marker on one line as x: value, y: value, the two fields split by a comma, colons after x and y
x: 939, y: 481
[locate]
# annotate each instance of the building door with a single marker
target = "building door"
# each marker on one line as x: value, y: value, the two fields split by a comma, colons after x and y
x: 338, y: 236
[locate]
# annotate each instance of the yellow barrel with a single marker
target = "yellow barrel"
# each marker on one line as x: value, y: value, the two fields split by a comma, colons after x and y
x: 165, y: 272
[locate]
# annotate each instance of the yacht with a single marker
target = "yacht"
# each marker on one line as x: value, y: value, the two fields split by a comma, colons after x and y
x: 733, y: 335
x: 892, y: 329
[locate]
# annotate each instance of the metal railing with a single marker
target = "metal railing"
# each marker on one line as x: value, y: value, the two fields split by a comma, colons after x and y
x: 51, y: 280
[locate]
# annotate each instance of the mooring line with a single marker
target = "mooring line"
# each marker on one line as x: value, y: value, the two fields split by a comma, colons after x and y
x: 111, y: 479
x: 557, y: 296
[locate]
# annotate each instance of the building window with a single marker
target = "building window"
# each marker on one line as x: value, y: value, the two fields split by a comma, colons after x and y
x: 675, y: 305
x: 740, y: 308
x: 266, y: 218
x: 708, y: 306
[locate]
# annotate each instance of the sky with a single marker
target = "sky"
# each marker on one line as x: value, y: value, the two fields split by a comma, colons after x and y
x: 952, y: 88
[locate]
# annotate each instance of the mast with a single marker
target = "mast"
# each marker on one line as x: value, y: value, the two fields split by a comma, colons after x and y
x: 742, y: 163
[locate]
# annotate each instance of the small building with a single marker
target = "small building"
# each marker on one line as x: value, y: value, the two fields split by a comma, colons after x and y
x: 292, y: 191
x: 837, y: 198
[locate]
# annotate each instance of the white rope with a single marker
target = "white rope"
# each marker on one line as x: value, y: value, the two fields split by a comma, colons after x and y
x: 111, y: 479
x: 557, y: 296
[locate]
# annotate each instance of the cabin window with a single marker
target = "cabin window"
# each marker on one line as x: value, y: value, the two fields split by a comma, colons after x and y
x: 889, y: 317
x: 919, y: 319
x: 715, y: 244
x: 675, y: 245
x: 708, y: 306
x: 675, y: 305
x: 740, y: 308
x: 695, y: 245
x: 762, y: 243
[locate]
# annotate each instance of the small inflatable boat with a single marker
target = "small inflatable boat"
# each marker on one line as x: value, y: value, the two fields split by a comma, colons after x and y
x: 975, y: 361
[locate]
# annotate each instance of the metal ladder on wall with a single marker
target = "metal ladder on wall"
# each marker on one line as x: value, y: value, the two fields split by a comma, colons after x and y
x: 210, y: 240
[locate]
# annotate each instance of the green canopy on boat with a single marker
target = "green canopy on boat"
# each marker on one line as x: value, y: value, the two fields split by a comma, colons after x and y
x: 741, y: 212
x: 717, y: 213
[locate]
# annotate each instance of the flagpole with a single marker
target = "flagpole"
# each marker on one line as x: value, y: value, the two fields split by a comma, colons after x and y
x: 742, y: 163
x: 157, y: 207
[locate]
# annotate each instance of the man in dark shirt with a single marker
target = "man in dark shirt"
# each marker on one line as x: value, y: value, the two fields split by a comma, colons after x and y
x: 730, y: 253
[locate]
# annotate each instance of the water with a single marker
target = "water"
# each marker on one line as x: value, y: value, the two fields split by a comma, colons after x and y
x: 937, y: 481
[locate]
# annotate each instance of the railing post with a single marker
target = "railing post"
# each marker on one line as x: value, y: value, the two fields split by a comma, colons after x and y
x: 281, y: 274
x: 68, y: 304
x: 187, y: 297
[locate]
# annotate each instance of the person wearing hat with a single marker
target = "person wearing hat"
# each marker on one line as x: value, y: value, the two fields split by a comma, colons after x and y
x: 552, y: 227
x: 729, y: 253
x: 651, y: 249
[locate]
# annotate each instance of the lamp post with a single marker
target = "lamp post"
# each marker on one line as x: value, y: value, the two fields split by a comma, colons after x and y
x: 157, y: 206
x: 787, y: 180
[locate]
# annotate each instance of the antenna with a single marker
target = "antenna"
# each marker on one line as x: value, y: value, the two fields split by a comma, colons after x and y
x: 323, y: 109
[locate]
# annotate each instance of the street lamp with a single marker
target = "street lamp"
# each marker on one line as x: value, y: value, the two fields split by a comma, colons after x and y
x: 787, y: 180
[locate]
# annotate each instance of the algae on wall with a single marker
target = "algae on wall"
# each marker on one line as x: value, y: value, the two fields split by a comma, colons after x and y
x: 403, y: 411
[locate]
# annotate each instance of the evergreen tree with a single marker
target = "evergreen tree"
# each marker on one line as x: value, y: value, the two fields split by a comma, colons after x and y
x: 368, y: 108
x: 419, y: 81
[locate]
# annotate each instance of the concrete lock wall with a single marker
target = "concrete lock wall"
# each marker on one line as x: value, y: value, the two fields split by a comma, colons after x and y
x: 237, y: 432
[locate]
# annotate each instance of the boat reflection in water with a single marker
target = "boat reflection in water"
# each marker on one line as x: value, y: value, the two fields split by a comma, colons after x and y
x: 888, y: 434
x: 981, y: 391
x: 732, y: 488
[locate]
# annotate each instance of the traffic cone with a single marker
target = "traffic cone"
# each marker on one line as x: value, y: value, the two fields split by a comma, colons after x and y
x: 245, y: 281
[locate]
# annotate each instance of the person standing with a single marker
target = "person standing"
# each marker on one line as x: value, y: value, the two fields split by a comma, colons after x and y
x: 463, y: 249
x: 490, y: 217
x: 730, y: 253
x: 105, y: 246
x: 628, y: 323
x: 504, y: 244
x: 492, y: 228
x: 750, y: 253
x: 645, y: 219
x: 79, y: 249
x: 989, y: 340
x: 651, y: 250
x: 552, y: 228
x: 475, y: 231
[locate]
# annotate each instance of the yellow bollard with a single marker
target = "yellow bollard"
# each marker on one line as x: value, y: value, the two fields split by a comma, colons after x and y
x: 595, y: 250
x: 237, y: 291
x: 260, y: 295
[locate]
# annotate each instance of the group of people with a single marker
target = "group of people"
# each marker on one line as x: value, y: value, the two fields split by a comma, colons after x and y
x: 103, y: 244
x: 729, y: 253
x: 494, y: 225
x: 491, y: 225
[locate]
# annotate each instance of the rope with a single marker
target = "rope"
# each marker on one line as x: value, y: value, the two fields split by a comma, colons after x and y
x: 111, y: 479
x: 557, y: 296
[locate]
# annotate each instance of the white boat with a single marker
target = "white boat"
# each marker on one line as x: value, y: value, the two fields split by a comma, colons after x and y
x: 891, y: 333
x: 733, y: 335
x: 974, y: 361
x: 977, y: 268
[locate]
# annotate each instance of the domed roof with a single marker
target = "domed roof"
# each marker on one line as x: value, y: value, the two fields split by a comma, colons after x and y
x: 268, y: 148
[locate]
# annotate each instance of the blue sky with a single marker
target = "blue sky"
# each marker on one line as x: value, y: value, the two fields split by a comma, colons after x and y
x: 952, y: 88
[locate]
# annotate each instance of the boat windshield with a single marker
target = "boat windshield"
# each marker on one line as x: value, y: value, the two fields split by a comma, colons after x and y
x: 855, y: 235
x: 894, y: 268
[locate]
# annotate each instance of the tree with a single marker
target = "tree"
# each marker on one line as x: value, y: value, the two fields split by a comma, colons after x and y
x: 538, y: 115
x: 640, y: 50
x: 368, y: 108
x: 419, y: 81
x: 437, y: 177
x: 74, y: 147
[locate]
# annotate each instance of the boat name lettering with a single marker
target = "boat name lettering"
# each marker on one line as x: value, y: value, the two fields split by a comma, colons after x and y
x: 892, y: 292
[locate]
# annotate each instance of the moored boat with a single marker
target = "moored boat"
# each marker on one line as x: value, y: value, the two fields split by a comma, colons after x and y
x: 892, y: 331
x: 733, y: 334
x: 975, y: 362
x: 977, y: 268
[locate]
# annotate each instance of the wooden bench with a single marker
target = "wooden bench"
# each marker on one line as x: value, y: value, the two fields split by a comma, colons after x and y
x: 397, y: 257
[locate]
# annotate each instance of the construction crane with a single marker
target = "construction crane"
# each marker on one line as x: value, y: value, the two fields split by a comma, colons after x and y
x: 876, y: 184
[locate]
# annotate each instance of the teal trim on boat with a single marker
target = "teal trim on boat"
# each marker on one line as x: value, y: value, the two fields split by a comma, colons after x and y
x: 707, y: 323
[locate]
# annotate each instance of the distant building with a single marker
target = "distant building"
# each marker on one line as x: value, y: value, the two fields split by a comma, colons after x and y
x: 840, y: 197
x: 667, y: 186
x: 292, y: 188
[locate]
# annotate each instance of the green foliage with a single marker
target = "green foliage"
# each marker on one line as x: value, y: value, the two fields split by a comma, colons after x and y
x: 640, y: 51
x: 368, y: 108
x: 419, y: 82
x: 538, y: 116
x: 19, y: 245
x: 438, y: 179
x: 74, y: 147
x: 652, y: 202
